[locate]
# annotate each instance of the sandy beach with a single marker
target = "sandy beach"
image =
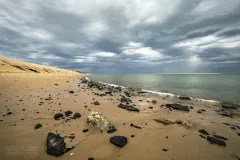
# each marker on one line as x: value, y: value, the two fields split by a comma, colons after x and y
x: 32, y: 94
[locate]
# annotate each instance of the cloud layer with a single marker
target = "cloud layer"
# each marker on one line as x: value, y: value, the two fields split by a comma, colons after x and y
x: 122, y: 36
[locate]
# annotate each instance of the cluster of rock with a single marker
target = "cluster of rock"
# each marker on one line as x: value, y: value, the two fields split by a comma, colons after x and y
x: 215, y: 139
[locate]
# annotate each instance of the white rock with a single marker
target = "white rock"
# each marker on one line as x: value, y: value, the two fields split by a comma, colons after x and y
x: 97, y: 120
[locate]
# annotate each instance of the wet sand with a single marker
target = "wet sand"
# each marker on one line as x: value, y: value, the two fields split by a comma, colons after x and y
x: 24, y: 95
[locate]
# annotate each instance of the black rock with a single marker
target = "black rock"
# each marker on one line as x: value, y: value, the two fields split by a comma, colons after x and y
x: 68, y: 113
x: 216, y: 141
x: 91, y: 158
x: 226, y: 113
x: 71, y: 137
x: 77, y: 115
x: 227, y: 124
x: 238, y: 134
x: 202, y: 136
x: 124, y: 99
x: 128, y: 107
x: 96, y: 103
x: 38, y: 126
x: 119, y: 141
x: 55, y: 145
x: 150, y: 107
x: 85, y: 130
x: 57, y: 116
x: 219, y: 137
x: 165, y: 150
x: 233, y: 128
x: 9, y: 113
x: 177, y: 107
x: 203, y: 131
x: 184, y: 98
x: 132, y: 136
x: 112, y: 130
x: 71, y: 92
x: 132, y: 125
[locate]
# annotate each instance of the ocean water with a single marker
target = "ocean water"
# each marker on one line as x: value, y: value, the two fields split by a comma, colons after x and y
x: 204, y: 86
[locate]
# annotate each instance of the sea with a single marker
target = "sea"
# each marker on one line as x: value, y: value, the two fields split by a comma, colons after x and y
x: 209, y: 87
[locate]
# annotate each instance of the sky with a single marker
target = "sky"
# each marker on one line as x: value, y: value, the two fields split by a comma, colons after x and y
x: 123, y: 36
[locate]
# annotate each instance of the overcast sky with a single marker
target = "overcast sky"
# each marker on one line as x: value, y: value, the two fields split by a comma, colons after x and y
x: 123, y: 36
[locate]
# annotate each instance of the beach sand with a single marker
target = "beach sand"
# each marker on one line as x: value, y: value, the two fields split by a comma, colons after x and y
x: 23, y: 92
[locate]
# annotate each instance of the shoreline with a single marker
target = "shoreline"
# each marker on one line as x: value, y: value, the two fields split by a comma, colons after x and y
x: 36, y: 98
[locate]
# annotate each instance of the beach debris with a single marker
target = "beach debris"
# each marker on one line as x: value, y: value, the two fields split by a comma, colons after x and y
x: 132, y: 125
x: 203, y: 131
x: 219, y: 137
x: 177, y: 107
x: 96, y: 103
x: 112, y: 129
x: 68, y: 113
x: 216, y: 141
x: 55, y: 145
x: 77, y: 115
x: 179, y: 121
x: 229, y: 105
x: 37, y: 126
x: 97, y: 120
x: 57, y: 116
x: 119, y: 141
x: 164, y: 121
x: 128, y: 107
x: 71, y: 154
x: 85, y: 130
x: 184, y: 98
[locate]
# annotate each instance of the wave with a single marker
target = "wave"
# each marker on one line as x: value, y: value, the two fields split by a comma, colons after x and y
x: 160, y: 93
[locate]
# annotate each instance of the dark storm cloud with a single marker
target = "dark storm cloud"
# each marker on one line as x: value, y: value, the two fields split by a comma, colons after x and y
x: 123, y: 36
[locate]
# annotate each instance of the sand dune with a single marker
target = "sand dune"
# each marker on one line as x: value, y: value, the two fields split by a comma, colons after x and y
x: 14, y: 66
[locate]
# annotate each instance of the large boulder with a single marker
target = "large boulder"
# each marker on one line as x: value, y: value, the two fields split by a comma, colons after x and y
x: 97, y: 120
x: 55, y: 145
x: 178, y: 107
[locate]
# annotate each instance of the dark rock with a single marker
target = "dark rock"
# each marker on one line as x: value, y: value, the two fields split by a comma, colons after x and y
x: 38, y: 126
x: 199, y: 111
x: 9, y: 113
x: 219, y: 137
x: 229, y: 105
x: 55, y: 145
x: 238, y: 134
x: 128, y: 107
x: 132, y: 125
x: 202, y: 136
x: 91, y: 158
x: 112, y: 130
x: 191, y: 107
x: 164, y: 121
x: 127, y: 100
x: 57, y: 116
x: 216, y: 141
x: 233, y: 128
x: 226, y: 124
x: 203, y: 131
x: 179, y: 121
x: 77, y: 115
x: 71, y: 137
x: 154, y: 102
x: 68, y: 113
x: 184, y: 98
x: 85, y: 130
x: 132, y: 136
x: 165, y: 150
x: 71, y: 92
x: 150, y: 107
x: 119, y: 141
x: 226, y: 113
x: 96, y: 103
x: 177, y: 107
